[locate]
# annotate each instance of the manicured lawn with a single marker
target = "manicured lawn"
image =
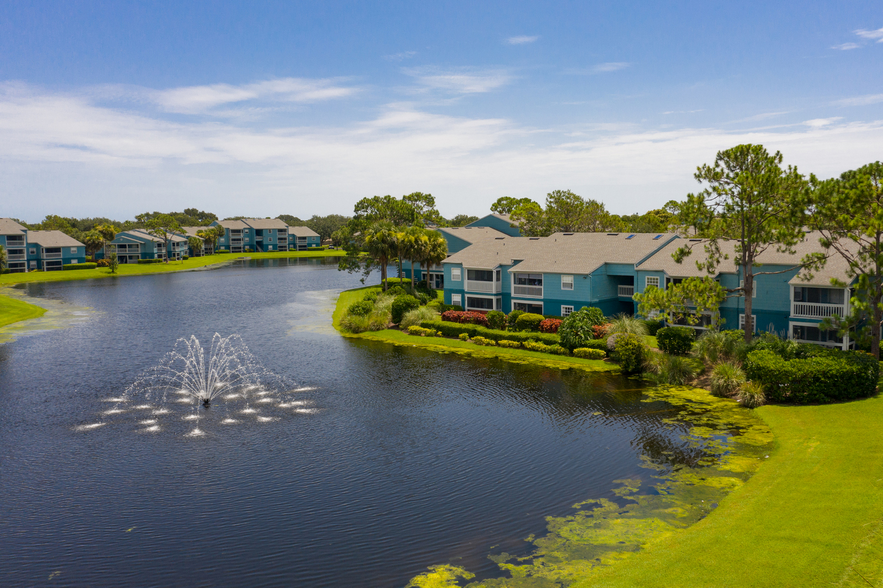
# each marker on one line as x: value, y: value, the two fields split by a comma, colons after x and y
x: 12, y: 311
x: 133, y: 269
x: 811, y: 516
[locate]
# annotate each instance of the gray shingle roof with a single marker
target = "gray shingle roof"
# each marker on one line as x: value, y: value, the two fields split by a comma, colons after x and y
x: 191, y: 231
x: 265, y: 223
x: 52, y: 239
x: 302, y: 232
x: 565, y: 253
x: 232, y: 224
x: 473, y: 234
x: 10, y: 227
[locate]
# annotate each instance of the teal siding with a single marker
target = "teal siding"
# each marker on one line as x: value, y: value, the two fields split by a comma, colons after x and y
x: 498, y: 224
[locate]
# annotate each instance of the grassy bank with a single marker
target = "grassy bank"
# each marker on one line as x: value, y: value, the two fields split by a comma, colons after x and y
x: 444, y: 345
x: 13, y: 311
x: 135, y: 269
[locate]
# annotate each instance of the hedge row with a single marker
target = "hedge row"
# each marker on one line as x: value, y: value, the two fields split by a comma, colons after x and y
x: 142, y: 261
x: 828, y: 377
x: 79, y: 266
x: 449, y: 329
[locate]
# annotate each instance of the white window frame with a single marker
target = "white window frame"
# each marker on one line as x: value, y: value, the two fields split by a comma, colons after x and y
x: 456, y: 274
x: 32, y: 250
x: 651, y: 281
x: 753, y: 292
x: 74, y: 250
x: 843, y: 345
x: 468, y: 296
x: 753, y: 321
x: 566, y: 310
x: 456, y: 300
x: 566, y: 282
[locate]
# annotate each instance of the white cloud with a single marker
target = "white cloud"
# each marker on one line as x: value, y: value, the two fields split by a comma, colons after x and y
x: 460, y: 80
x: 598, y: 69
x: 63, y: 153
x: 202, y: 99
x: 822, y: 122
x: 846, y: 46
x: 400, y: 56
x: 521, y: 40
x: 871, y: 35
x: 865, y: 100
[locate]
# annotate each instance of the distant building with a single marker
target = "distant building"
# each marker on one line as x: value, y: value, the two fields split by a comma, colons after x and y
x: 303, y: 238
x: 14, y: 238
x: 51, y: 250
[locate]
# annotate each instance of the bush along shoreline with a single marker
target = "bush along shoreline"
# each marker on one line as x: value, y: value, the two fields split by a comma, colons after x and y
x: 766, y: 370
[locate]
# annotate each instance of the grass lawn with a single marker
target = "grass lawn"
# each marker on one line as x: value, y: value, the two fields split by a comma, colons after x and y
x: 133, y: 269
x: 13, y: 311
x: 811, y: 516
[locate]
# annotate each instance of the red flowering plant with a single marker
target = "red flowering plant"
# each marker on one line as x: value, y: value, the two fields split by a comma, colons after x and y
x: 550, y: 325
x: 465, y: 316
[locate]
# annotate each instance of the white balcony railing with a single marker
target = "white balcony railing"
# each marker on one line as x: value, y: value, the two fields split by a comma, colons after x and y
x: 816, y: 309
x: 488, y: 287
x: 627, y: 291
x: 16, y: 257
x: 48, y: 255
x: 528, y: 291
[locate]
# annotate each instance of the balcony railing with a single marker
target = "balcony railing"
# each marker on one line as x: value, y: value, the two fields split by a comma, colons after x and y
x: 48, y: 255
x: 488, y: 287
x: 627, y: 291
x: 528, y: 290
x: 16, y: 257
x: 817, y: 310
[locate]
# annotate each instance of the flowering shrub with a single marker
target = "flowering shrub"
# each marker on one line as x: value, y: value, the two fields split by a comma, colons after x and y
x: 550, y: 325
x: 600, y: 331
x: 417, y: 330
x: 463, y: 336
x: 482, y: 341
x: 509, y: 344
x: 586, y: 353
x: 468, y: 316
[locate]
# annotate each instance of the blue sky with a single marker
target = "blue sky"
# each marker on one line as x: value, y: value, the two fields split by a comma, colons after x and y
x: 264, y: 108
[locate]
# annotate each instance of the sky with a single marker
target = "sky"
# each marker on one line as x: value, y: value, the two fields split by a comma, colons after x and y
x: 111, y: 109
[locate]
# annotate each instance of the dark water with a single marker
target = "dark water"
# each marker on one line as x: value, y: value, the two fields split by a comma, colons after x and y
x: 409, y: 458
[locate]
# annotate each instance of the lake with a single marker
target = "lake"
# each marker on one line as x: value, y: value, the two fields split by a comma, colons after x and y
x: 393, y: 459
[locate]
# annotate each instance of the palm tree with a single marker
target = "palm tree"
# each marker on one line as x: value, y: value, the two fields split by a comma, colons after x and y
x: 93, y: 240
x: 107, y: 232
x: 433, y: 251
x: 412, y: 242
x: 3, y: 258
x: 381, y: 242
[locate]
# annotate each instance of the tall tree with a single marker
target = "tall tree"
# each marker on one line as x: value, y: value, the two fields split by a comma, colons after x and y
x: 195, y: 243
x: 565, y: 212
x: 162, y: 226
x: 93, y: 240
x: 461, y: 220
x: 432, y: 250
x: 507, y: 204
x: 381, y: 243
x: 848, y: 211
x: 751, y: 200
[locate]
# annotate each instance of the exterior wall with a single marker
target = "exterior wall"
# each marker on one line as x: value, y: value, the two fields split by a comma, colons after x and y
x: 38, y: 256
x: 17, y: 259
x: 451, y: 287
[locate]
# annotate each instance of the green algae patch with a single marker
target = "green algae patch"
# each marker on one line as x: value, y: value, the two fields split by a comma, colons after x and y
x: 727, y: 443
x: 52, y: 314
x: 440, y: 577
x: 13, y: 310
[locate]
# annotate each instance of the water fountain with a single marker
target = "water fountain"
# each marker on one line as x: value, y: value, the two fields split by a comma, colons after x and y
x: 226, y: 371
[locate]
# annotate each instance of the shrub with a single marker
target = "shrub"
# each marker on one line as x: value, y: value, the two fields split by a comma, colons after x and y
x: 362, y: 308
x: 396, y: 291
x: 513, y: 317
x: 653, y: 325
x: 623, y: 323
x: 714, y: 347
x: 222, y: 251
x: 726, y: 379
x: 378, y: 322
x: 463, y: 336
x: 371, y: 296
x: 450, y: 329
x: 528, y: 322
x: 751, y: 395
x: 587, y: 353
x: 418, y: 315
x: 79, y: 266
x: 401, y: 305
x: 103, y: 263
x: 509, y: 344
x: 601, y: 331
x: 675, y: 340
x: 417, y: 330
x: 550, y: 325
x: 459, y: 316
x: 482, y: 341
x: 186, y: 257
x: 831, y: 375
x: 354, y: 323
x: 576, y: 328
x: 672, y: 369
x: 144, y: 261
x: 496, y: 320
x: 423, y: 298
x: 630, y: 352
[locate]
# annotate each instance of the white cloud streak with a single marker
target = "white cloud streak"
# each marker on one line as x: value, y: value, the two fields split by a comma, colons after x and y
x: 521, y: 40
x: 871, y: 35
x: 598, y: 69
x: 400, y: 56
x: 865, y: 100
x: 460, y: 80
x: 122, y: 158
x: 846, y: 46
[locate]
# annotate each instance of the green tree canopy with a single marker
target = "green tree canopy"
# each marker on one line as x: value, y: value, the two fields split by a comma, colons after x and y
x: 564, y: 212
x: 162, y: 226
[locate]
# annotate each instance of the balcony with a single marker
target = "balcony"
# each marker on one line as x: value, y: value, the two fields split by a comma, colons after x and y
x: 485, y: 287
x: 536, y: 291
x: 816, y: 310
x: 52, y: 255
x: 626, y: 291
x: 16, y: 257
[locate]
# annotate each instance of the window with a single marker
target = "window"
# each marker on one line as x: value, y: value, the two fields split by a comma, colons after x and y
x: 533, y: 307
x: 651, y: 281
x: 814, y: 334
x: 528, y: 279
x: 479, y: 275
x: 73, y: 250
x: 33, y: 264
x: 456, y: 276
x: 566, y: 310
x: 567, y: 282
x: 753, y: 293
x: 456, y: 300
x: 33, y: 251
x: 753, y: 322
x: 475, y: 303
x: 818, y: 295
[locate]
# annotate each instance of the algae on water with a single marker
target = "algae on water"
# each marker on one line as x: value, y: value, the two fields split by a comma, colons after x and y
x: 729, y: 443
